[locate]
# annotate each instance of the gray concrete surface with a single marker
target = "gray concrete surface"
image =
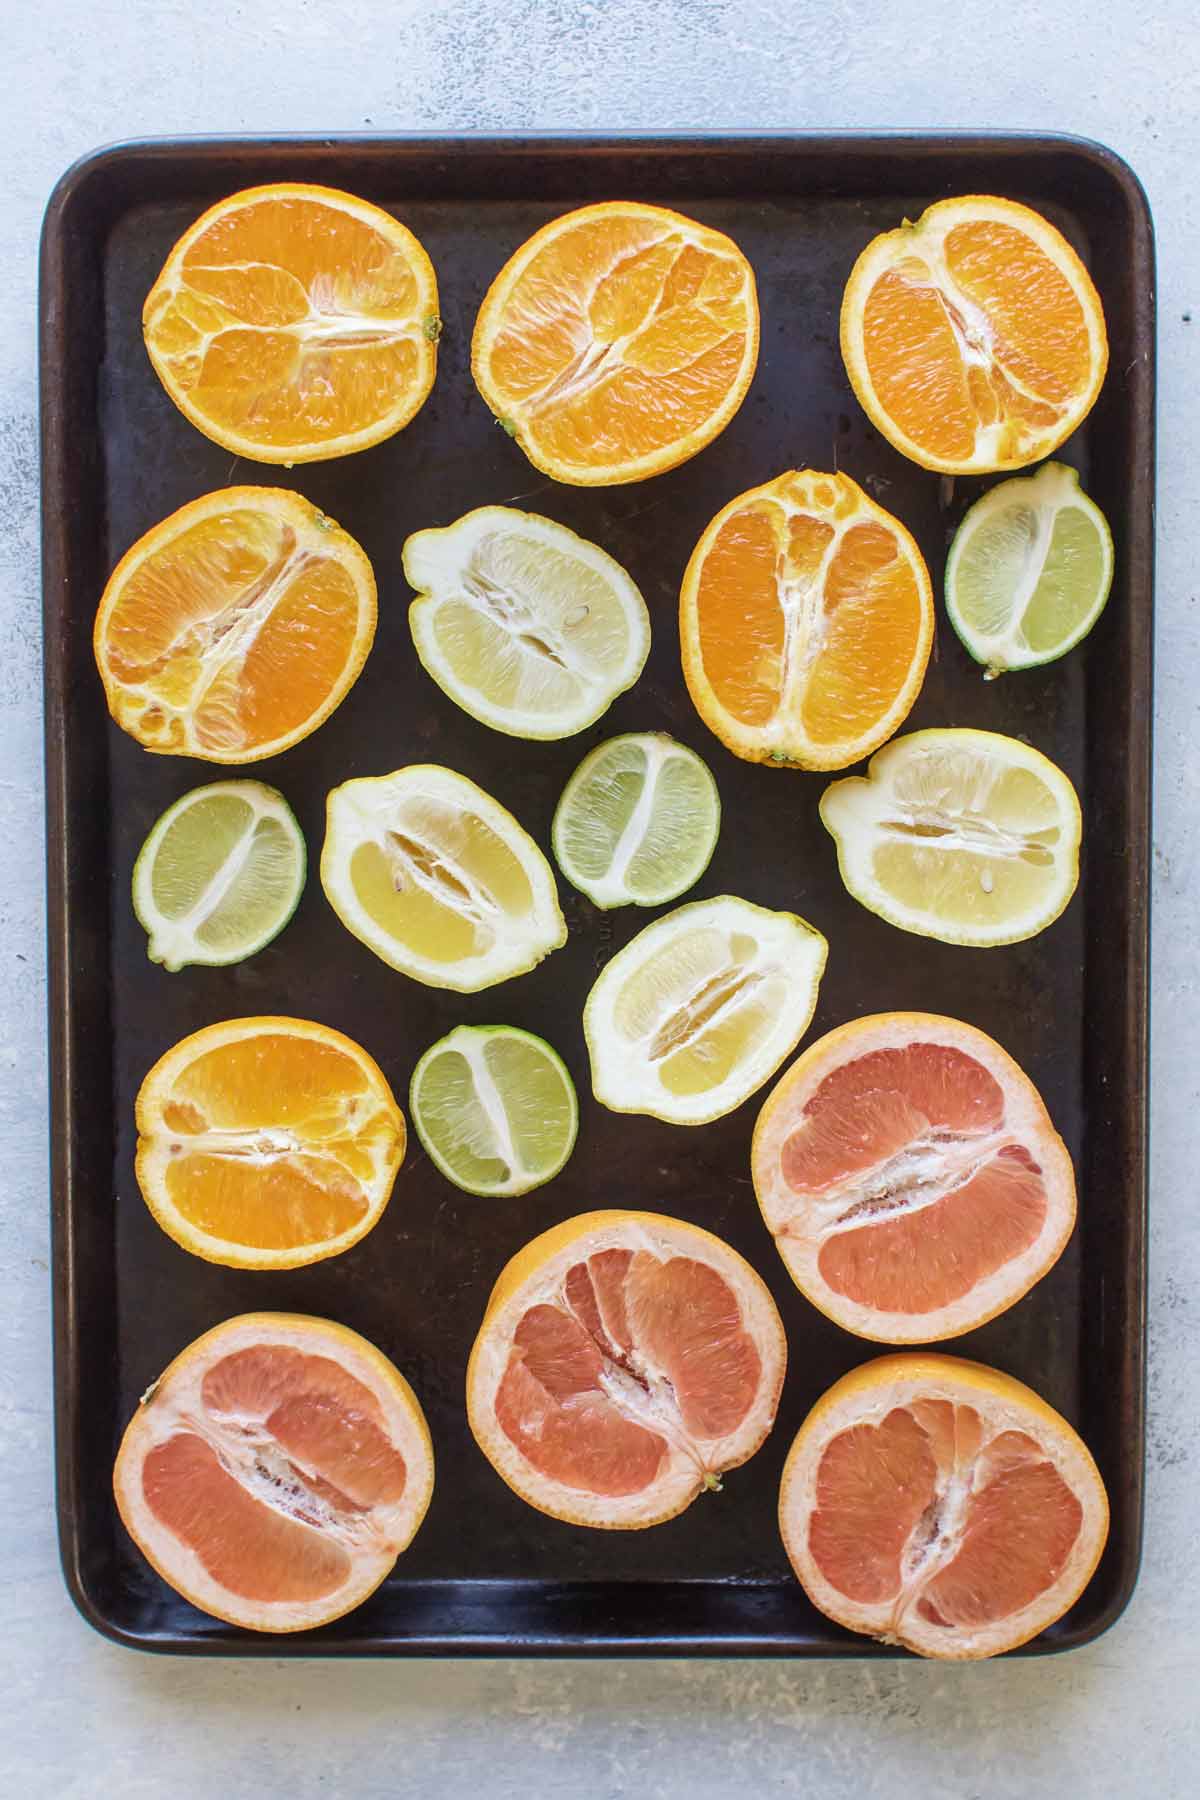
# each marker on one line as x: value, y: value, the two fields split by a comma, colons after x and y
x: 79, y: 1718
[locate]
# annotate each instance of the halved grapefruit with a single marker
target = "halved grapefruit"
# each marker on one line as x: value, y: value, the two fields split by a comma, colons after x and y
x: 911, y: 1177
x: 624, y: 1363
x: 275, y: 1471
x: 936, y: 1503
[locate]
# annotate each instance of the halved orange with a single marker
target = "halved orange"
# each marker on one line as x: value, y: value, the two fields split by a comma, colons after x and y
x: 805, y: 622
x: 292, y: 323
x: 911, y: 1177
x: 940, y: 1504
x: 275, y: 1471
x: 267, y: 1143
x: 974, y: 338
x: 617, y: 342
x: 232, y: 629
x: 624, y: 1363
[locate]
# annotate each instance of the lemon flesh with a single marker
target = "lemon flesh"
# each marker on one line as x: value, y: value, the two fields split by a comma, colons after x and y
x: 966, y: 836
x: 1029, y: 570
x: 495, y: 1109
x: 528, y: 627
x: 700, y: 1008
x: 438, y: 878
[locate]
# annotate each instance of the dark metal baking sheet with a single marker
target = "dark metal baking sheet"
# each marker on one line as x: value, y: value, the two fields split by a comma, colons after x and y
x: 486, y: 1574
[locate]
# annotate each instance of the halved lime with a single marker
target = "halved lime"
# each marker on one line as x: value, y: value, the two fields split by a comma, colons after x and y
x: 525, y: 625
x: 220, y: 874
x: 638, y: 821
x: 495, y: 1108
x: 1029, y: 570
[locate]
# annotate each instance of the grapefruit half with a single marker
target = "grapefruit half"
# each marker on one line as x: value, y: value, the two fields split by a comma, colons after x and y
x: 939, y: 1504
x: 624, y: 1363
x: 275, y: 1471
x: 911, y: 1177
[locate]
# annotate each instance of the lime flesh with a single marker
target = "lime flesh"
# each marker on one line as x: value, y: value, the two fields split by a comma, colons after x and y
x: 495, y: 1109
x: 637, y: 822
x: 220, y: 874
x: 1029, y: 570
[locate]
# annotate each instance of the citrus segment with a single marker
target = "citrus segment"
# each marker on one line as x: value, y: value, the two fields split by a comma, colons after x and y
x: 495, y: 1109
x: 624, y: 1362
x: 438, y: 879
x: 974, y: 338
x: 911, y: 1177
x: 617, y: 342
x: 637, y: 822
x: 267, y: 1142
x: 941, y: 1504
x: 1029, y: 570
x: 805, y: 621
x: 220, y: 874
x: 275, y: 1471
x: 700, y: 1008
x: 967, y: 836
x: 529, y: 628
x: 233, y: 628
x: 292, y: 323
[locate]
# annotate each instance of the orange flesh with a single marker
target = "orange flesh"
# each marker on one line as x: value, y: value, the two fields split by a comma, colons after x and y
x: 1020, y: 310
x: 232, y: 622
x: 933, y: 1234
x: 619, y: 339
x: 928, y: 1510
x: 763, y: 600
x: 293, y: 1451
x: 626, y: 1324
x: 293, y: 322
x: 287, y: 1125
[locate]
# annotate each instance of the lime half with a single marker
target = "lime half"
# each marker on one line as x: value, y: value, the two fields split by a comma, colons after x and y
x: 1029, y: 570
x: 495, y: 1108
x: 220, y: 874
x: 528, y: 627
x: 638, y: 821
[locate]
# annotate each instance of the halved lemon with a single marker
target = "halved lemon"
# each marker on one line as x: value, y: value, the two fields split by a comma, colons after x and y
x: 293, y: 322
x: 805, y: 622
x: 494, y: 1108
x: 625, y: 1362
x: 1029, y: 570
x: 974, y: 338
x: 700, y: 1008
x: 220, y: 874
x: 940, y: 1504
x: 911, y: 1178
x: 966, y: 836
x: 231, y: 630
x: 267, y: 1143
x: 275, y: 1471
x: 438, y: 879
x: 528, y: 627
x: 617, y: 341
x: 638, y: 821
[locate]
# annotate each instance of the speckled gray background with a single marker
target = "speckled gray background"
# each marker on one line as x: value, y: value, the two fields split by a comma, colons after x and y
x: 82, y: 1719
